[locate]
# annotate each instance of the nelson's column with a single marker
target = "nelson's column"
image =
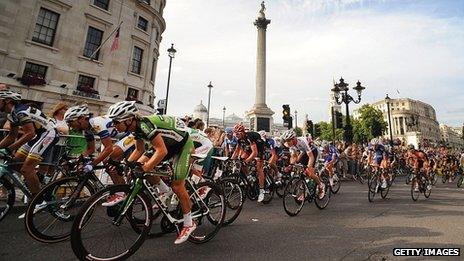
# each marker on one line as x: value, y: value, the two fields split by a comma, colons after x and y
x: 260, y: 115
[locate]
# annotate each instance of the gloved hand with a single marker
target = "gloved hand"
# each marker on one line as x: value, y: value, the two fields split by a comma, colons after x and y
x: 88, y: 168
x: 5, y: 152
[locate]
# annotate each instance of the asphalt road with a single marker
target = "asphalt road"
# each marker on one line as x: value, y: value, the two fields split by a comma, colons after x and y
x: 350, y: 228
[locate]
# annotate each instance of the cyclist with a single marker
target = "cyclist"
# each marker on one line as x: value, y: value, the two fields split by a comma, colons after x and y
x: 270, y: 146
x: 79, y: 118
x: 230, y: 142
x: 169, y: 138
x: 302, y: 152
x: 251, y: 146
x: 420, y: 161
x: 331, y: 157
x: 38, y: 137
x: 378, y: 158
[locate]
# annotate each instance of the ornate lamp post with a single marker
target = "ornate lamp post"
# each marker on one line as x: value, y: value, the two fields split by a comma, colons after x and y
x: 171, y: 54
x: 387, y: 100
x: 210, y: 86
x: 223, y: 116
x: 340, y: 91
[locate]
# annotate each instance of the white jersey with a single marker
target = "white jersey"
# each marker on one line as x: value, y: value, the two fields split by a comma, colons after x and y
x: 301, y: 145
x: 101, y: 126
x: 201, y: 141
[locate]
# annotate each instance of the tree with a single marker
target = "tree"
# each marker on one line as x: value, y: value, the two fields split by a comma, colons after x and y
x: 326, y: 131
x: 298, y: 131
x: 370, y: 124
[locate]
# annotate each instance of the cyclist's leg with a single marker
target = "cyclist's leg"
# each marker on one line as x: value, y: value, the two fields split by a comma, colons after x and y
x: 181, y: 167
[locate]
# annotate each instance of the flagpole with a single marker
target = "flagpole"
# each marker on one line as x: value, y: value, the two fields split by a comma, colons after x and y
x: 99, y: 47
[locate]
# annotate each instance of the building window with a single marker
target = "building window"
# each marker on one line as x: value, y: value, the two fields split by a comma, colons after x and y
x: 142, y: 24
x: 45, y: 27
x: 86, y: 84
x: 103, y: 4
x: 94, y: 38
x: 36, y: 70
x: 132, y: 94
x: 137, y: 60
x: 153, y: 70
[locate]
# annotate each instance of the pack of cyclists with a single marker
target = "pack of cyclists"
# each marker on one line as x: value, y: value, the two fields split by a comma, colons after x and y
x: 144, y: 142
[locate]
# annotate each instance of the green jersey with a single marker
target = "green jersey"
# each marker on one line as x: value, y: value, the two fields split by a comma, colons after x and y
x: 172, y: 130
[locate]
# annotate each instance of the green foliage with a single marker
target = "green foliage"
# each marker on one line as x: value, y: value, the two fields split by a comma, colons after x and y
x: 325, y: 131
x: 369, y: 125
x: 299, y: 131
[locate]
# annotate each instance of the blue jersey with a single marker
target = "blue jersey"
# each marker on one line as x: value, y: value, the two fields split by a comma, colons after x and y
x: 23, y: 114
x: 270, y: 143
x: 333, y: 152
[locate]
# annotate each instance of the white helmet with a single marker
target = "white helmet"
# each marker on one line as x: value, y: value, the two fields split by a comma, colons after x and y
x: 324, y: 144
x: 375, y: 141
x: 263, y: 134
x: 7, y: 94
x: 288, y: 134
x: 75, y: 112
x: 122, y: 110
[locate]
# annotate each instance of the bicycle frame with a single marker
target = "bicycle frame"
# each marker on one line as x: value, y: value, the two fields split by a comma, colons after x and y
x: 14, y: 176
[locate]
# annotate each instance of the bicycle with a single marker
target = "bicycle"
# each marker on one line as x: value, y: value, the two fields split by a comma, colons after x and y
x: 324, y: 174
x: 375, y: 185
x: 51, y: 213
x: 299, y: 189
x: 131, y: 220
x: 420, y: 185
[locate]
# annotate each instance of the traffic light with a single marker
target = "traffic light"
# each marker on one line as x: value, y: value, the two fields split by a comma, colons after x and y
x: 288, y: 120
x: 338, y: 120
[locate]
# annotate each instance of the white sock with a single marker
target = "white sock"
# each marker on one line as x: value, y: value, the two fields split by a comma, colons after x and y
x: 188, y: 219
x: 162, y: 187
x: 261, y: 191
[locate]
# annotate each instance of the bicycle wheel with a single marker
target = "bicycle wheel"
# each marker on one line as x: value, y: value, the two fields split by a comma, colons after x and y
x: 234, y: 198
x: 427, y: 191
x: 7, y: 197
x: 279, y: 188
x: 252, y: 190
x: 373, y: 184
x: 384, y: 192
x: 460, y: 181
x: 50, y: 215
x: 443, y: 178
x: 336, y: 184
x: 322, y: 203
x: 294, y: 196
x: 269, y: 186
x: 208, y: 212
x: 408, y: 178
x: 434, y: 178
x: 95, y: 235
x: 415, y: 193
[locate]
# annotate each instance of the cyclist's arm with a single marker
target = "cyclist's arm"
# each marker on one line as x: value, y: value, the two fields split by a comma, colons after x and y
x: 310, y: 158
x: 254, y: 152
x: 294, y: 158
x: 237, y: 152
x: 106, y: 151
x: 160, y: 152
x: 139, y: 150
x: 90, y: 148
x: 28, y: 134
x: 9, y: 139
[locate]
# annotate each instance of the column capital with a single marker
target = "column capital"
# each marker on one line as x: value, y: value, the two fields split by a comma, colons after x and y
x: 262, y: 23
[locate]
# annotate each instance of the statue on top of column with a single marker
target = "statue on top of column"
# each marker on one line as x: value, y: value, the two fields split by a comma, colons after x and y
x: 261, y: 12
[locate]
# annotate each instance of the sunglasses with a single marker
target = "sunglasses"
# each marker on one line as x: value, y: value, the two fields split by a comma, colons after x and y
x: 116, y: 122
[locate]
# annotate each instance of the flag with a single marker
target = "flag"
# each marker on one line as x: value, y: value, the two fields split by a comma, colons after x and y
x: 115, y: 44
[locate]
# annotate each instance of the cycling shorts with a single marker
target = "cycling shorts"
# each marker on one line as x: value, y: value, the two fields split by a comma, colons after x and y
x: 40, y: 146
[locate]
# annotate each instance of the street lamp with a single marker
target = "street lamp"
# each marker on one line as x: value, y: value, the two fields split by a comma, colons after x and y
x: 223, y: 116
x: 210, y: 86
x: 171, y: 54
x: 341, y: 95
x: 387, y: 100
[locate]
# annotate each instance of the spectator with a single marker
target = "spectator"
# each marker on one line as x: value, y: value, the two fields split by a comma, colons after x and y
x: 57, y: 113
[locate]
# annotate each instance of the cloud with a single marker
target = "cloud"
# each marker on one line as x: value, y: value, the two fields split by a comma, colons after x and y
x: 311, y: 42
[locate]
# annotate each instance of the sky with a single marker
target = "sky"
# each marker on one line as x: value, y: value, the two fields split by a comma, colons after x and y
x: 403, y: 48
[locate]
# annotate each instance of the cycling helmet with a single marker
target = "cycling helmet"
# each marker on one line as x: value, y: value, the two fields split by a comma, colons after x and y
x: 288, y: 134
x: 375, y: 141
x: 7, y: 94
x: 263, y: 134
x: 122, y: 110
x: 411, y: 147
x: 238, y: 128
x: 324, y: 144
x: 75, y: 112
x: 229, y: 130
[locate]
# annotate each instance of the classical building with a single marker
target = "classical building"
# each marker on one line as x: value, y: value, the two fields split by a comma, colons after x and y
x: 200, y: 112
x: 413, y: 121
x: 49, y: 51
x: 451, y: 137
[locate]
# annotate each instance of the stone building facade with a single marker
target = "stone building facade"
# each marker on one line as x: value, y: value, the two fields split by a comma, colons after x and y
x: 413, y: 121
x: 46, y: 49
x: 451, y: 137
